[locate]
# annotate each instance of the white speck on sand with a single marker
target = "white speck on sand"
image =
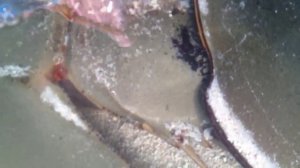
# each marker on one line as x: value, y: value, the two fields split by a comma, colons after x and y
x: 184, y: 129
x: 14, y: 71
x: 154, y: 4
x: 203, y: 6
x: 242, y: 4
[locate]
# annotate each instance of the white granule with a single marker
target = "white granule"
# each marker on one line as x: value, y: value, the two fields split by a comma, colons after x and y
x: 203, y: 6
x: 184, y: 129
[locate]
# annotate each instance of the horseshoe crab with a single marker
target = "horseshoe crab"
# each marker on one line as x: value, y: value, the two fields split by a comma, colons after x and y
x: 130, y: 95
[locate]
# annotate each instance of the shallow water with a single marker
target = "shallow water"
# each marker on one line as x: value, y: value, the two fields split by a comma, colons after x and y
x: 33, y: 136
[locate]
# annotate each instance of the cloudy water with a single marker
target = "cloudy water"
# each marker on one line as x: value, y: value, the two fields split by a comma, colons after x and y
x: 33, y: 136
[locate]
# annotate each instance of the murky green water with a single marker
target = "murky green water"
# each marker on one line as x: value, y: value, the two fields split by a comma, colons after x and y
x: 33, y: 136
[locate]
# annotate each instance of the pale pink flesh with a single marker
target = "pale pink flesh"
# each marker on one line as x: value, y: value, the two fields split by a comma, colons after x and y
x: 107, y: 13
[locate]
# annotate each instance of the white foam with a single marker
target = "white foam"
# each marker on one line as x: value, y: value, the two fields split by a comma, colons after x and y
x: 203, y: 6
x: 14, y: 71
x: 48, y: 96
x: 235, y: 130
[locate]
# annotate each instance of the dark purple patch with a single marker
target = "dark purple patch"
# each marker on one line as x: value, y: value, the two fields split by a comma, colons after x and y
x: 190, y: 50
